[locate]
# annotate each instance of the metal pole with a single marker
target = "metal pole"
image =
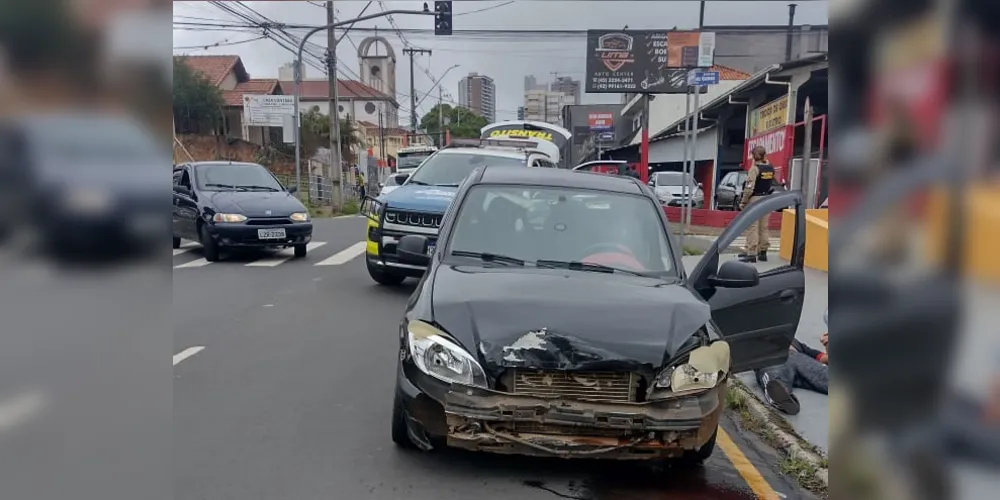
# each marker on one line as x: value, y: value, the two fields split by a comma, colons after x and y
x: 791, y: 31
x: 806, y: 184
x: 298, y: 75
x: 440, y: 118
x: 336, y: 186
x: 413, y: 91
x: 694, y: 157
x: 684, y: 163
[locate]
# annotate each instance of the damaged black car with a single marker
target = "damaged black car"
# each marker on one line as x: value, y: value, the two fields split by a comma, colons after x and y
x: 556, y: 319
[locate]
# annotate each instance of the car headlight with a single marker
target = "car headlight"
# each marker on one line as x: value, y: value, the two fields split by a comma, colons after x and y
x: 88, y: 201
x: 300, y: 217
x: 229, y: 218
x: 439, y: 357
x: 704, y: 367
x: 373, y: 209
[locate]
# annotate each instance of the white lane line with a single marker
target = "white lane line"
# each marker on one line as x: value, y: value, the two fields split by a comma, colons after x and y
x: 178, y: 251
x: 345, y: 255
x: 20, y: 409
x: 194, y: 263
x: 283, y: 256
x: 186, y: 246
x: 187, y: 353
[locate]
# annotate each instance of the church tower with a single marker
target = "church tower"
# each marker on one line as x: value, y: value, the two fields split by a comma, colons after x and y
x: 378, y: 64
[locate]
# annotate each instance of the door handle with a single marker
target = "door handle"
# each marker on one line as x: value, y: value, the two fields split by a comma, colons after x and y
x: 788, y: 295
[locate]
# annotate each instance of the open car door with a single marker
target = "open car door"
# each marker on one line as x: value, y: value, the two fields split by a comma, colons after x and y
x: 608, y: 167
x: 757, y: 315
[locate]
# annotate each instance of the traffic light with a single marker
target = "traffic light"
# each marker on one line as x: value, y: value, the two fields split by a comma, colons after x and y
x: 442, y: 18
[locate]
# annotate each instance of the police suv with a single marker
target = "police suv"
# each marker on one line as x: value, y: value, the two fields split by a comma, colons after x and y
x: 419, y: 204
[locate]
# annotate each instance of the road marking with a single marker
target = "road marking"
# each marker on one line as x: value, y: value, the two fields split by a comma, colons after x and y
x: 187, y: 353
x: 178, y: 251
x: 345, y: 255
x: 282, y: 256
x: 20, y: 409
x: 741, y: 463
x: 185, y: 247
x: 194, y: 263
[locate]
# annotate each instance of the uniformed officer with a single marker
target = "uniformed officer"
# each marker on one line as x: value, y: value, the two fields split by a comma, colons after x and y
x: 760, y: 181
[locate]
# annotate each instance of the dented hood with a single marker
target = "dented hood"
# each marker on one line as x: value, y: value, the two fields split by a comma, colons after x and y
x: 565, y: 320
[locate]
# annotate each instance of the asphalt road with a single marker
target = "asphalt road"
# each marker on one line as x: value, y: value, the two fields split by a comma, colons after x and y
x: 283, y: 379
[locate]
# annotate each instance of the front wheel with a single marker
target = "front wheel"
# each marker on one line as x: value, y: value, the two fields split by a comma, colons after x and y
x: 176, y: 243
x: 699, y: 456
x: 400, y: 431
x: 382, y: 277
x: 300, y: 251
x: 210, y: 247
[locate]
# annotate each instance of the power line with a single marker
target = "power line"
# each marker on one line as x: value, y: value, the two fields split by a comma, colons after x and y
x: 223, y: 43
x: 484, y: 9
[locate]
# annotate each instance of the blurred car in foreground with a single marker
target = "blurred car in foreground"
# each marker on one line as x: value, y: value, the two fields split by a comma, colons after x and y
x: 236, y: 205
x: 76, y: 183
x: 510, y: 345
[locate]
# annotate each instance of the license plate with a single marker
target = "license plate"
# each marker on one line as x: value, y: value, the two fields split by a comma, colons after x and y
x: 271, y: 234
x: 430, y: 249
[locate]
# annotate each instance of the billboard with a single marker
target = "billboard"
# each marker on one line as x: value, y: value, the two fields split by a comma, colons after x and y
x: 769, y: 116
x: 600, y: 121
x: 645, y: 61
x: 267, y: 110
x: 777, y: 143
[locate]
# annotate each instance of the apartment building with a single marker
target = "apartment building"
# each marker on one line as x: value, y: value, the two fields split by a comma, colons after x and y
x: 478, y: 94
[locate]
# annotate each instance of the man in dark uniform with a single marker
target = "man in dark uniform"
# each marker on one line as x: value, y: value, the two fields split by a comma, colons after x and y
x: 760, y: 181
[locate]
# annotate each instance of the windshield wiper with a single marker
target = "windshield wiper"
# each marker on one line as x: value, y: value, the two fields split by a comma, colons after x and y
x: 268, y: 188
x: 215, y: 184
x: 418, y: 183
x: 490, y: 257
x: 448, y: 185
x: 586, y: 266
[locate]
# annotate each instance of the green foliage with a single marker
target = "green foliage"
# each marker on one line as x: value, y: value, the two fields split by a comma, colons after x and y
x: 461, y: 122
x: 197, y: 103
x: 316, y: 134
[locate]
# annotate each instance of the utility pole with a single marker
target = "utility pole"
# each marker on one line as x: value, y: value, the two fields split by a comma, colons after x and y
x: 413, y: 91
x: 806, y: 175
x: 334, y: 174
x: 381, y: 139
x: 440, y: 118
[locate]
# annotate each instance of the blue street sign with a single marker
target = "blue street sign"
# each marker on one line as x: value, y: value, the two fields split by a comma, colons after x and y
x: 702, y: 78
x: 606, y: 136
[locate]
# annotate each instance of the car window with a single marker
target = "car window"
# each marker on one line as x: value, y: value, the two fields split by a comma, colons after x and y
x: 450, y: 169
x: 671, y: 179
x: 567, y: 225
x: 729, y: 180
x: 185, y: 179
x: 178, y: 174
x: 240, y: 177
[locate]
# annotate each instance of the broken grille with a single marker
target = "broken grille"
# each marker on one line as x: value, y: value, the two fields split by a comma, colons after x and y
x: 605, y: 387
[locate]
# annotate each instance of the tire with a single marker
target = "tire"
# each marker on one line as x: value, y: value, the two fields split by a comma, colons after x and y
x: 400, y: 432
x: 300, y: 251
x: 699, y: 456
x: 382, y: 277
x: 736, y: 204
x: 176, y: 243
x: 210, y: 247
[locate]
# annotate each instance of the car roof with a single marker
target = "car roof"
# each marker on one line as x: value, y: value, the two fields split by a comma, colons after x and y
x: 557, y: 177
x: 486, y: 151
x: 211, y: 163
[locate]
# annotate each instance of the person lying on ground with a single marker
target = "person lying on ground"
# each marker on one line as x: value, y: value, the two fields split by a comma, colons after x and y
x: 806, y: 368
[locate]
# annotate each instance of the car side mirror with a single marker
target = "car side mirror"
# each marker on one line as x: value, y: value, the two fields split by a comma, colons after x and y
x: 401, y: 178
x: 413, y: 249
x: 381, y: 185
x: 293, y: 190
x: 735, y: 274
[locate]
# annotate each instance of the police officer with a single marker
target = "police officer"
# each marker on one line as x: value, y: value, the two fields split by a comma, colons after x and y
x: 760, y: 181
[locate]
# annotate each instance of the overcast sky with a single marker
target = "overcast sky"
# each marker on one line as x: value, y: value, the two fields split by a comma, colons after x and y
x: 506, y: 58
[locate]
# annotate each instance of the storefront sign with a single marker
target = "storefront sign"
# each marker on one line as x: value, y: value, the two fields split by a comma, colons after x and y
x: 645, y: 61
x: 768, y: 117
x: 777, y: 143
x: 601, y: 121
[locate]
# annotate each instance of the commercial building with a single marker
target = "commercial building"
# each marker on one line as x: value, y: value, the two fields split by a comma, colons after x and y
x: 545, y: 105
x: 567, y: 86
x: 594, y: 128
x: 478, y: 94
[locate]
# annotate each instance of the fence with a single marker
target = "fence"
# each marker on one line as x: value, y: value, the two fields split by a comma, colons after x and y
x: 318, y: 190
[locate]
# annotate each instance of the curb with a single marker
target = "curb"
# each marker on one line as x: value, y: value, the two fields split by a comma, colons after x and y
x: 791, y: 443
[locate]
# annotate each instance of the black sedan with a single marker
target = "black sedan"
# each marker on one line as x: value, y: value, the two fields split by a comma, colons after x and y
x: 231, y: 205
x: 579, y: 333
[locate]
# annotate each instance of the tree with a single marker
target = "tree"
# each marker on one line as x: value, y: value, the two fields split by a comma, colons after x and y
x: 197, y: 103
x: 316, y: 134
x: 461, y: 122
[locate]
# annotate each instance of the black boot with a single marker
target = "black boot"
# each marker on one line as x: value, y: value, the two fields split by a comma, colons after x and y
x: 762, y: 256
x: 748, y: 258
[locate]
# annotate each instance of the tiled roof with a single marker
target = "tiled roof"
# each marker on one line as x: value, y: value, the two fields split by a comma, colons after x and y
x: 266, y: 86
x: 215, y: 68
x: 320, y: 89
x: 727, y: 73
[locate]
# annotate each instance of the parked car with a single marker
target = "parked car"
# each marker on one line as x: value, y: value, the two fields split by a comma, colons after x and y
x: 510, y: 345
x: 229, y: 205
x: 670, y: 189
x: 729, y: 192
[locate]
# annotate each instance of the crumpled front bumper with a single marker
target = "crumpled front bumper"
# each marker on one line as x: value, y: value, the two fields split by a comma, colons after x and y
x: 497, y: 422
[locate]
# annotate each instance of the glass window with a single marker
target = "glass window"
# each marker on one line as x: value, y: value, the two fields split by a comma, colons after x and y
x: 563, y: 225
x: 450, y: 169
x: 240, y: 177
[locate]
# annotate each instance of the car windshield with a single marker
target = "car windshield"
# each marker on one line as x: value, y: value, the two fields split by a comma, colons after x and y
x: 411, y: 160
x: 671, y: 179
x: 240, y: 177
x: 450, y: 169
x: 393, y: 180
x: 559, y: 227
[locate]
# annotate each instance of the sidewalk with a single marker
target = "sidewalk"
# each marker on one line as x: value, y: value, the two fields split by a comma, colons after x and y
x: 812, y: 422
